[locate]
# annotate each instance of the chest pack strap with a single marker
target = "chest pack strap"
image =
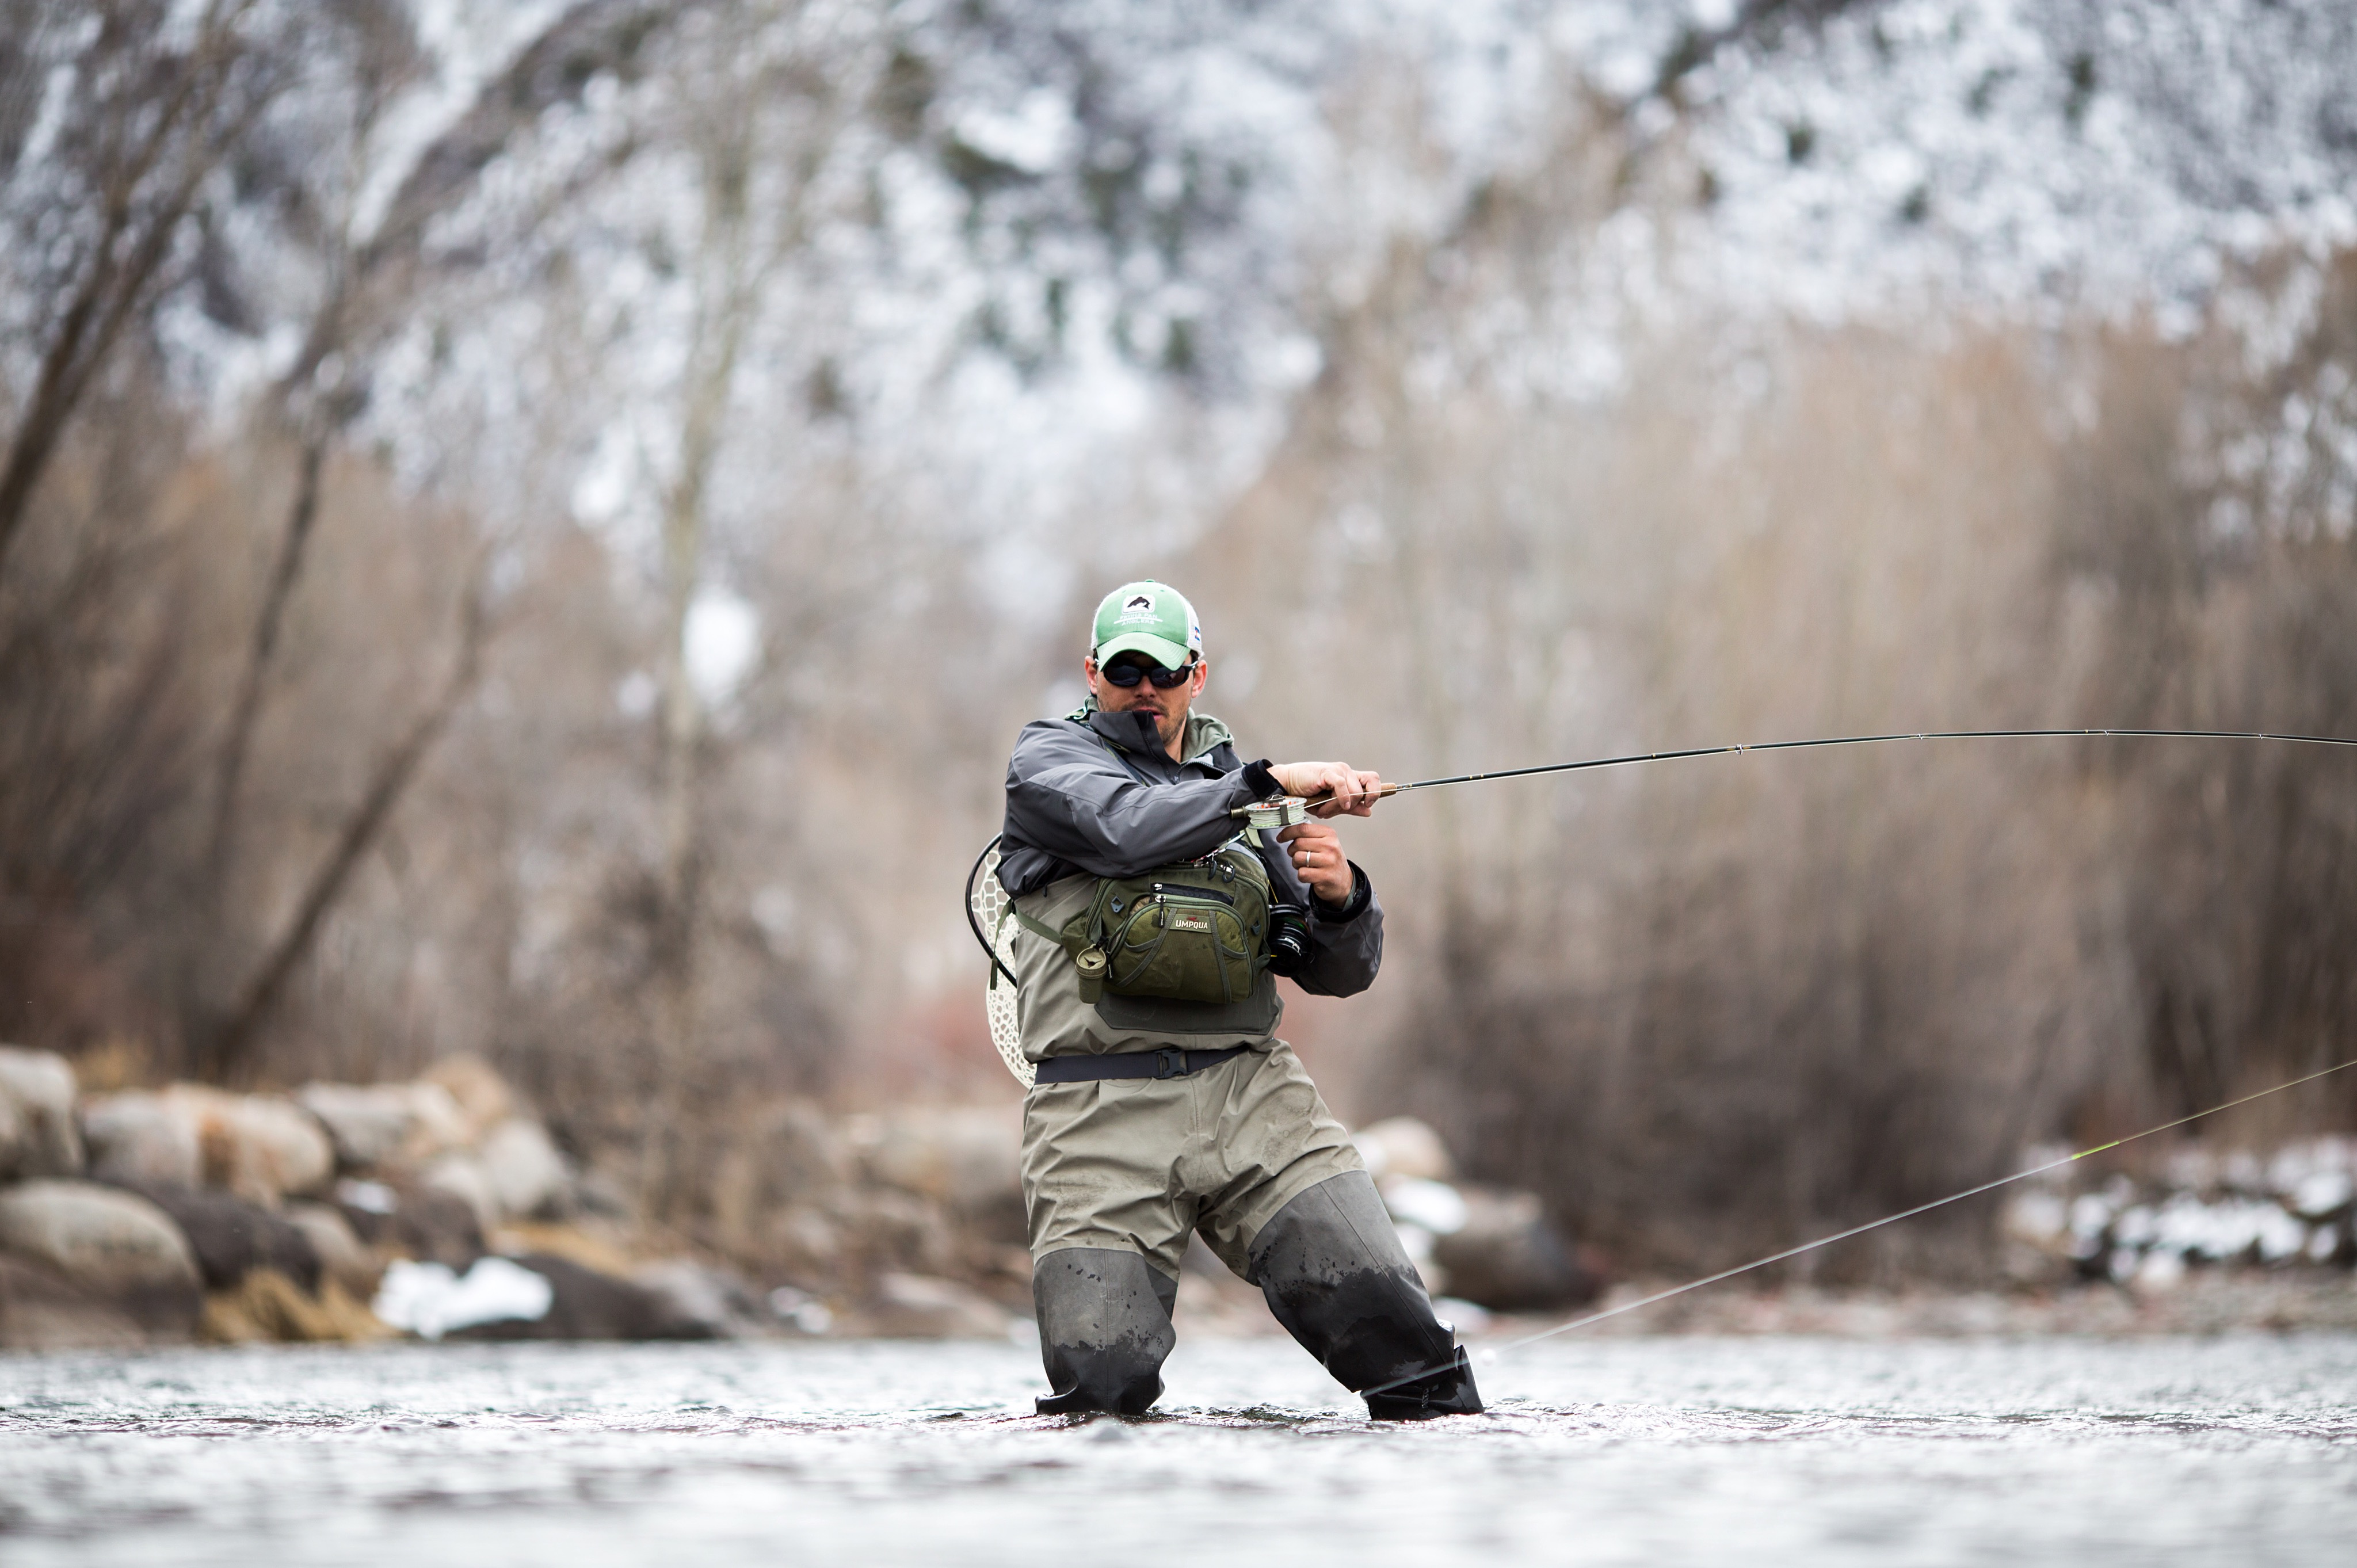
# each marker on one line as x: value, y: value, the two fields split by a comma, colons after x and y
x: 1169, y: 1062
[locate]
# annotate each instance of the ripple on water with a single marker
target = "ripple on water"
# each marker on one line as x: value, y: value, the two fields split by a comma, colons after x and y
x: 1659, y: 1450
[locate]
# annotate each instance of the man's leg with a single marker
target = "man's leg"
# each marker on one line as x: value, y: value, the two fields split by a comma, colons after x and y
x: 1104, y: 1329
x: 1108, y: 1232
x: 1336, y: 1276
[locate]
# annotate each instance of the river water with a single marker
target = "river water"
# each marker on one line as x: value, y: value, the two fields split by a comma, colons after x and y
x: 1657, y: 1451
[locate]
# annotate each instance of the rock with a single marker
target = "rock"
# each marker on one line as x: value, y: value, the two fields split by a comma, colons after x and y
x: 383, y: 1123
x: 38, y: 1136
x: 137, y: 1139
x: 915, y: 1306
x: 1434, y: 1205
x: 231, y: 1238
x: 345, y: 1263
x: 482, y: 1097
x: 2034, y: 1239
x: 716, y: 1301
x: 882, y: 1230
x: 462, y: 1176
x: 586, y: 1304
x: 964, y: 1158
x: 525, y: 1174
x: 267, y: 1307
x: 1404, y: 1146
x: 428, y: 1224
x: 430, y: 1300
x: 602, y: 1249
x: 1507, y: 1258
x: 785, y: 1156
x: 40, y: 1309
x: 114, y: 1244
x: 262, y: 1148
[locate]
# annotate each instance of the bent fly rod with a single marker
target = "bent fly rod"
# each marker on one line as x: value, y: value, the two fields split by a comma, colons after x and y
x: 1290, y: 810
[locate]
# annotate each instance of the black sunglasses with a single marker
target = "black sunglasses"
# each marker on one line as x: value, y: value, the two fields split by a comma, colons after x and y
x: 1128, y: 673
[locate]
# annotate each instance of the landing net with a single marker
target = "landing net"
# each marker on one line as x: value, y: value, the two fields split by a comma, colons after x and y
x: 991, y: 910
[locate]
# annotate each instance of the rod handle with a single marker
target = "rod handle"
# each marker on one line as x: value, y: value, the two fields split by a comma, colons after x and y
x: 1386, y: 794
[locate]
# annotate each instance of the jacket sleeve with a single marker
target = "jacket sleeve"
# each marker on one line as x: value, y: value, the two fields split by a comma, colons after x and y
x: 1346, y: 945
x: 1068, y: 796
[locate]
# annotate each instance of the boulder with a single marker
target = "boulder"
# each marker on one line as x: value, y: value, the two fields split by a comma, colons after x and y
x: 115, y: 1245
x: 38, y: 1136
x: 260, y: 1147
x: 231, y: 1238
x: 1404, y: 1146
x: 586, y: 1304
x: 525, y: 1174
x: 373, y: 1124
x: 964, y: 1158
x: 462, y: 1176
x: 482, y: 1097
x: 343, y: 1262
x: 915, y: 1306
x: 421, y: 1222
x: 782, y: 1155
x: 40, y: 1309
x: 1506, y: 1257
x: 715, y: 1301
x: 137, y: 1139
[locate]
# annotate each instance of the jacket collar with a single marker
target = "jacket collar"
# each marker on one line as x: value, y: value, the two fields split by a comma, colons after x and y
x: 1134, y: 732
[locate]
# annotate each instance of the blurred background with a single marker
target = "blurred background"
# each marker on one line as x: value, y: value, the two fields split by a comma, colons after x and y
x: 527, y: 532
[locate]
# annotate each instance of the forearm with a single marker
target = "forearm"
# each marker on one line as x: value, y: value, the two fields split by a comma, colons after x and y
x: 1346, y: 942
x: 1110, y: 825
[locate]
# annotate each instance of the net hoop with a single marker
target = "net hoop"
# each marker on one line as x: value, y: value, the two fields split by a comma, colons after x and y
x: 987, y: 908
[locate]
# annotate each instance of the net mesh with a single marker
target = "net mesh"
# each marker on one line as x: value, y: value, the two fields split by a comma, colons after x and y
x: 990, y: 909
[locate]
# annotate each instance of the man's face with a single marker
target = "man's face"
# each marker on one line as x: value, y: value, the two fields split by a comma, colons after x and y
x: 1168, y: 707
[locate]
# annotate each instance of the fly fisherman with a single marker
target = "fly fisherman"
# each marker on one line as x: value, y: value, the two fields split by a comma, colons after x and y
x: 1152, y: 934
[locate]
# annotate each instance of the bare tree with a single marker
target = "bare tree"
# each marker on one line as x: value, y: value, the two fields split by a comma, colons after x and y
x: 153, y: 109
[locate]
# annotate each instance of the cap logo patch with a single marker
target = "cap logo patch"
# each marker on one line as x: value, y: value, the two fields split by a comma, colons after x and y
x: 1139, y: 607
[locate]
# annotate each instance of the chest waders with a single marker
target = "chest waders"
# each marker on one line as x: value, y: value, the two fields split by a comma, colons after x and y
x: 1136, y: 1138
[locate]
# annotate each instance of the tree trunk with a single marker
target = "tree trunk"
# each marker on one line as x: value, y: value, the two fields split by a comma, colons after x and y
x: 226, y: 1050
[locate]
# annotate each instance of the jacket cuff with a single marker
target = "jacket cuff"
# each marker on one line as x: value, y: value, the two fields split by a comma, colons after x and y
x: 1363, y: 893
x: 1259, y: 782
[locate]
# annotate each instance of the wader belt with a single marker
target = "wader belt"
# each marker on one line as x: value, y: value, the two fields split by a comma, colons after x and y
x: 1168, y: 1062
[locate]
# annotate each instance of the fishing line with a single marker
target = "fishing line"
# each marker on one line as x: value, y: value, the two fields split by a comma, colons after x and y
x: 1492, y: 1352
x: 1742, y: 746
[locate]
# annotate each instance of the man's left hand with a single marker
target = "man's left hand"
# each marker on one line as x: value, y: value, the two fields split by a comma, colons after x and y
x: 1318, y: 856
x: 1354, y: 790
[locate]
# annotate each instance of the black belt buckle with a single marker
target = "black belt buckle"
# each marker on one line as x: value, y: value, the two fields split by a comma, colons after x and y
x: 1170, y: 1062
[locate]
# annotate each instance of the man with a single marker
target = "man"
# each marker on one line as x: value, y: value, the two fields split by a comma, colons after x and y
x: 1153, y: 1118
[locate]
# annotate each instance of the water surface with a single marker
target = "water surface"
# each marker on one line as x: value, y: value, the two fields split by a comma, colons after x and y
x: 1654, y: 1451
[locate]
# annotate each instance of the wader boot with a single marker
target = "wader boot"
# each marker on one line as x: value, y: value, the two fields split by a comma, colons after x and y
x: 1104, y: 1329
x: 1336, y: 1276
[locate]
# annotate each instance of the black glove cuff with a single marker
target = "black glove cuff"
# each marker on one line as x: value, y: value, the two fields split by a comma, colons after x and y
x: 1260, y: 781
x: 1363, y: 893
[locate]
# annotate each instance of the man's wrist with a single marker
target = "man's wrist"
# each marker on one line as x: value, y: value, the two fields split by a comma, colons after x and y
x: 1351, y: 905
x: 1259, y: 782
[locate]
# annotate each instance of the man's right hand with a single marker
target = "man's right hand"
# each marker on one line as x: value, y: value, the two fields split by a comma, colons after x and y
x: 1354, y: 790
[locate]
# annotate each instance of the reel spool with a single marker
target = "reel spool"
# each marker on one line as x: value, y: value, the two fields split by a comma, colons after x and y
x: 1267, y: 816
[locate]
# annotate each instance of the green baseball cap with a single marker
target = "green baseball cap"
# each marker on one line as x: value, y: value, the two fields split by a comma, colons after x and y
x: 1147, y: 617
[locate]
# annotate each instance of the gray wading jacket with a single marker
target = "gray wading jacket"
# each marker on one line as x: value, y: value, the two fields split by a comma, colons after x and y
x: 1096, y: 795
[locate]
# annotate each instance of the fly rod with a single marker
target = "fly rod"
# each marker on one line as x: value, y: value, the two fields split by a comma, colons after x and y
x: 1288, y: 810
x: 1492, y: 1353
